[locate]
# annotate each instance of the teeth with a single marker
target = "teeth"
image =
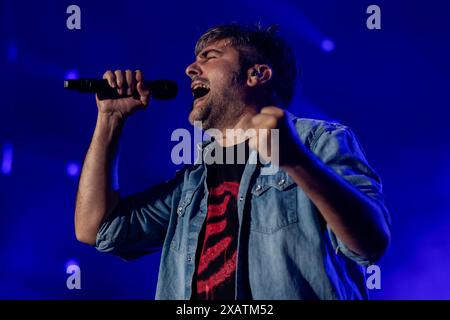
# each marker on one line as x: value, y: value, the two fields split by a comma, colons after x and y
x: 199, y: 85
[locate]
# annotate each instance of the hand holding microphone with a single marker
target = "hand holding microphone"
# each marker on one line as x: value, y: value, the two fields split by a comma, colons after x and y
x: 132, y: 92
x: 124, y: 92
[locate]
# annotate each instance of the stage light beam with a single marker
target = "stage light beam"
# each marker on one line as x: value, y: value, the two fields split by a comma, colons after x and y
x: 7, y: 158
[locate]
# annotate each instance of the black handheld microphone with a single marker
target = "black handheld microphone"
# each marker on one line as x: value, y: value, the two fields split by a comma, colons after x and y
x: 159, y: 89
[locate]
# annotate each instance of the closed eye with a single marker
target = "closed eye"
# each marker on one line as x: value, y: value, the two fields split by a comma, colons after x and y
x: 210, y: 54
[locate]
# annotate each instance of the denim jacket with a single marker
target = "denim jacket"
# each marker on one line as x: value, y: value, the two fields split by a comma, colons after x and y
x: 285, y: 248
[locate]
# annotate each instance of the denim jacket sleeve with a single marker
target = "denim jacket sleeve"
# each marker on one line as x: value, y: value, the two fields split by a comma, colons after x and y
x: 339, y: 149
x: 139, y: 223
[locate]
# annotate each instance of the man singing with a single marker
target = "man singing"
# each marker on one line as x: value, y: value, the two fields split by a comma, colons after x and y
x: 228, y: 231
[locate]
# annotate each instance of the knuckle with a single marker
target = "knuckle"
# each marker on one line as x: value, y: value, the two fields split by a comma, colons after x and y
x: 280, y: 112
x: 271, y: 121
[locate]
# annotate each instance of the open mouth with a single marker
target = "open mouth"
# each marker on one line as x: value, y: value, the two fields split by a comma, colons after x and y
x: 199, y: 90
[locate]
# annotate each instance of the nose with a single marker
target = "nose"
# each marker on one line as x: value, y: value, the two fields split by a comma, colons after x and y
x: 193, y: 70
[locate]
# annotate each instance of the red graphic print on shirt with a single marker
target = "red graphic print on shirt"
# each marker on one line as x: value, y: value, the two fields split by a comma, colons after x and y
x: 217, y: 265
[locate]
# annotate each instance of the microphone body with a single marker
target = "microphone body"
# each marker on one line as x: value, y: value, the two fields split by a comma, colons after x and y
x: 159, y: 89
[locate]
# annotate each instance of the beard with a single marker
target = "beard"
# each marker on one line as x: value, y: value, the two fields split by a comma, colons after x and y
x: 220, y: 108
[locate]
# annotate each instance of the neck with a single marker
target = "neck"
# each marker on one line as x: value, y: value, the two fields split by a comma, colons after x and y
x: 236, y: 133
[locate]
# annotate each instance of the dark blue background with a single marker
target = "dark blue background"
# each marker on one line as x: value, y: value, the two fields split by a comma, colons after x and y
x: 390, y: 86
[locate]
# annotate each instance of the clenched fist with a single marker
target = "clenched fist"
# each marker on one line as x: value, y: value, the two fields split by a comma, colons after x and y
x: 275, y: 138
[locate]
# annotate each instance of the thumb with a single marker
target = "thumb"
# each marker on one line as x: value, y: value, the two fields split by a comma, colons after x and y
x: 144, y: 93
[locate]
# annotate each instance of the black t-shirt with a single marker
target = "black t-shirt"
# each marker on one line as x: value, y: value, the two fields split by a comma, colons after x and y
x: 217, y: 247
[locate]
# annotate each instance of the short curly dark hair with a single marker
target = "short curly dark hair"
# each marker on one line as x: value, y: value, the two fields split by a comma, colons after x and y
x: 259, y: 45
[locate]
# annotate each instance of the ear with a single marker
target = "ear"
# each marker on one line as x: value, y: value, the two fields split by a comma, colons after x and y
x: 258, y: 75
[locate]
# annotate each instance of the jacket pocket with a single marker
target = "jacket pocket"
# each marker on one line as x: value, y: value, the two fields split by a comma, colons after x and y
x: 273, y: 203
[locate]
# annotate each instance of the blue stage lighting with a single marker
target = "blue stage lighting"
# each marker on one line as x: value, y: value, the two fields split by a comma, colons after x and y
x: 327, y: 45
x: 71, y: 74
x: 7, y: 158
x: 73, y: 169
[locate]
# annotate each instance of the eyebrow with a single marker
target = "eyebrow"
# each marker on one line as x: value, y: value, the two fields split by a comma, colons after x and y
x: 204, y: 53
